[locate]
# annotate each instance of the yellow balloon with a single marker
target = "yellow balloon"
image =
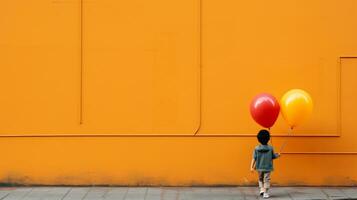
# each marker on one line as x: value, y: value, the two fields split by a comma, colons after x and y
x: 296, y: 106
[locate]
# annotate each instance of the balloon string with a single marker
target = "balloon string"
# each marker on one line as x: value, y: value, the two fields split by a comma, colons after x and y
x: 286, y: 140
x: 271, y: 138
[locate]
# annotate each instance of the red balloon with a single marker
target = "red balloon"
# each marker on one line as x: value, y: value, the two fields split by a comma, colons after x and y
x: 265, y: 109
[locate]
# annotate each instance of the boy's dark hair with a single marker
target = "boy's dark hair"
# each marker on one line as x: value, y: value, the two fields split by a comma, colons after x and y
x: 263, y: 137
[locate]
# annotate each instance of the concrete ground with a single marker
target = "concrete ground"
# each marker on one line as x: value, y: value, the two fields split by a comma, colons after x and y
x: 176, y: 193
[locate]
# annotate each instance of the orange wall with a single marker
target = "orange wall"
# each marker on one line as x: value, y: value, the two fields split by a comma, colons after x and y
x: 157, y: 92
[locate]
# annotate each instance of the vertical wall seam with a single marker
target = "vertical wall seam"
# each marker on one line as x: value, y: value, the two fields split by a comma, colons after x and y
x: 339, y: 97
x: 81, y: 65
x: 199, y: 67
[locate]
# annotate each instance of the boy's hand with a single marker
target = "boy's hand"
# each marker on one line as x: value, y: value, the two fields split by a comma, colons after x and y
x: 252, y: 169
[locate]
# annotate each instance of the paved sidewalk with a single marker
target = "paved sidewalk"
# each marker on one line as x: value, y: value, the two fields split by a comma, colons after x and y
x: 175, y: 193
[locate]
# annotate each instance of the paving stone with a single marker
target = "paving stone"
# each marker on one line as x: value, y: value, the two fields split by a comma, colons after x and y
x: 57, y: 193
x: 350, y: 192
x: 4, y: 192
x: 96, y: 193
x: 250, y: 192
x: 220, y: 193
x: 154, y: 194
x: 154, y: 191
x: 170, y: 193
x: 116, y: 193
x: 195, y: 193
x: 37, y: 193
x: 302, y: 193
x: 280, y: 193
x: 136, y: 193
x: 235, y: 190
x: 335, y: 193
x: 76, y: 193
x: 18, y: 193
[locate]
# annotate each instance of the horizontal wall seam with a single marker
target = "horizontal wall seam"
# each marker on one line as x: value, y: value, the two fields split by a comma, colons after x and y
x: 192, y: 136
x: 323, y: 153
x: 164, y: 135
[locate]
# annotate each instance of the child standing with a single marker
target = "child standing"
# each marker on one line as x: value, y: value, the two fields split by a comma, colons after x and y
x: 262, y: 162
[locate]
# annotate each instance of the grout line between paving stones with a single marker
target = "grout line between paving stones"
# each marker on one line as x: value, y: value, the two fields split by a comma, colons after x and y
x: 105, y: 193
x: 126, y: 193
x: 64, y: 196
x: 145, y: 195
x: 348, y: 197
x: 5, y: 196
x: 86, y: 194
x: 241, y: 191
x: 27, y: 193
x: 328, y: 197
x: 291, y: 197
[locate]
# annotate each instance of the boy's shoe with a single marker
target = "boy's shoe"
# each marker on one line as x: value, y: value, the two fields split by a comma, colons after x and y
x: 261, y: 191
x: 265, y: 195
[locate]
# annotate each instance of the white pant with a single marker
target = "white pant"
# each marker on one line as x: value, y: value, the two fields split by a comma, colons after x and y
x: 264, y: 180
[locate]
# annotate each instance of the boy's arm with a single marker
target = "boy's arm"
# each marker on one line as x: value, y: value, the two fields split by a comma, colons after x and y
x: 275, y: 155
x: 252, y: 165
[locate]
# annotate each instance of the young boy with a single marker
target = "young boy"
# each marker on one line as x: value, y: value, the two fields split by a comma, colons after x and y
x: 262, y: 162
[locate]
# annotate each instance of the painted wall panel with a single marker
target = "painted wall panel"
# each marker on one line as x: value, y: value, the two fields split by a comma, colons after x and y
x: 251, y: 47
x: 141, y: 66
x: 39, y: 55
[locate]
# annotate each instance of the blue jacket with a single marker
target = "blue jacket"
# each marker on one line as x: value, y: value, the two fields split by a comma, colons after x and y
x: 263, y: 156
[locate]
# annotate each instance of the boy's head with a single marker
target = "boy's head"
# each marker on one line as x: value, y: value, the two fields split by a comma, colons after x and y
x: 263, y: 137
